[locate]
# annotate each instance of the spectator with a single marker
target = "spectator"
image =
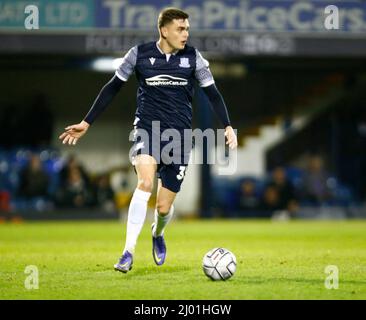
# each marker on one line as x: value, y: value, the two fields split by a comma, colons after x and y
x: 104, y: 195
x: 33, y: 180
x: 75, y: 193
x: 315, y: 187
x: 286, y: 191
x: 249, y: 201
x: 270, y: 201
x: 72, y: 163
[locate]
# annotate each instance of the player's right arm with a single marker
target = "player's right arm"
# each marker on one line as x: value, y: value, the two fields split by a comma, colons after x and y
x: 74, y: 132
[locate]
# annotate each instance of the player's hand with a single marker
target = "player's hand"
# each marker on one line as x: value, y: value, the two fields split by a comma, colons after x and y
x: 74, y: 132
x: 231, y: 138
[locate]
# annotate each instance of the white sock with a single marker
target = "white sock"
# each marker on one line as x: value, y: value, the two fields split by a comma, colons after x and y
x: 161, y: 221
x: 136, y: 218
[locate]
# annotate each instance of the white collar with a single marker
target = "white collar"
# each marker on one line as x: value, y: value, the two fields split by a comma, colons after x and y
x: 162, y: 52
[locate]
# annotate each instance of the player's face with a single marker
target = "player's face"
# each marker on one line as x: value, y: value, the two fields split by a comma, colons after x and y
x: 177, y: 33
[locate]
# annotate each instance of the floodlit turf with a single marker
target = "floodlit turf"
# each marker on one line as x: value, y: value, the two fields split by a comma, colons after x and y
x: 275, y: 260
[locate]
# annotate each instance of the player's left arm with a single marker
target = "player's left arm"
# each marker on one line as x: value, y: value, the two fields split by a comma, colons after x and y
x: 219, y: 106
x: 207, y: 83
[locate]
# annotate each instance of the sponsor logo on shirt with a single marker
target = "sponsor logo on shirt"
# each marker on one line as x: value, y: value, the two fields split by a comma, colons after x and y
x: 166, y: 80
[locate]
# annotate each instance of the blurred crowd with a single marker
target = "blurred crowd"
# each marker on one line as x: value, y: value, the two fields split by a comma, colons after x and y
x: 77, y: 190
x: 280, y: 194
x: 283, y: 192
x: 61, y: 183
x: 38, y: 181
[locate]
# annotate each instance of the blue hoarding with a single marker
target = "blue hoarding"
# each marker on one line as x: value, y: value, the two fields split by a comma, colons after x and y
x: 234, y: 15
x: 53, y: 14
x: 230, y: 15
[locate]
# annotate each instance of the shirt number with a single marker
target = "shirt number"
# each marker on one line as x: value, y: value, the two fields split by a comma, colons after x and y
x: 181, y: 174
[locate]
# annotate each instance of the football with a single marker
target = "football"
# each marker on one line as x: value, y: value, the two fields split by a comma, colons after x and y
x: 219, y: 264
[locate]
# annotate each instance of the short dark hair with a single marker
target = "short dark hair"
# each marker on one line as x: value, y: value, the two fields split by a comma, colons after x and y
x: 167, y: 15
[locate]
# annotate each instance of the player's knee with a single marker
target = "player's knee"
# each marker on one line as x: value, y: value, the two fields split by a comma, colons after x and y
x: 163, y: 207
x: 145, y: 185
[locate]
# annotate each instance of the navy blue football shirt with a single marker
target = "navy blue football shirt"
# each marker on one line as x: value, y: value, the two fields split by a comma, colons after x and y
x: 166, y: 84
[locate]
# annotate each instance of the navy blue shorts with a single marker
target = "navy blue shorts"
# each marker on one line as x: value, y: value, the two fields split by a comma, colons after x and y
x: 172, y: 157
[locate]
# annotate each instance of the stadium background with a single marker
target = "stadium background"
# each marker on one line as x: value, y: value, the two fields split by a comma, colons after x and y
x: 293, y: 88
x: 295, y: 92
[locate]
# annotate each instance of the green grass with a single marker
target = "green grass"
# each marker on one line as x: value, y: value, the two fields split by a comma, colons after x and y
x: 275, y: 260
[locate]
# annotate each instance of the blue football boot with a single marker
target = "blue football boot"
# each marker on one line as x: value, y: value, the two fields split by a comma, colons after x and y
x: 125, y: 262
x: 159, y: 248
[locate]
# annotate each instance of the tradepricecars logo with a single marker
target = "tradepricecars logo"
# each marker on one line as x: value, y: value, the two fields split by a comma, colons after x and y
x: 166, y: 80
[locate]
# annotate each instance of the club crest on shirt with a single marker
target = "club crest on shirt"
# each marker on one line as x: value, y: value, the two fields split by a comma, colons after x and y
x: 152, y: 60
x: 184, y: 63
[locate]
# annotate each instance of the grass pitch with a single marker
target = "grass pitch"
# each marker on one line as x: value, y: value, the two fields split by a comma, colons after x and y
x: 275, y: 260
